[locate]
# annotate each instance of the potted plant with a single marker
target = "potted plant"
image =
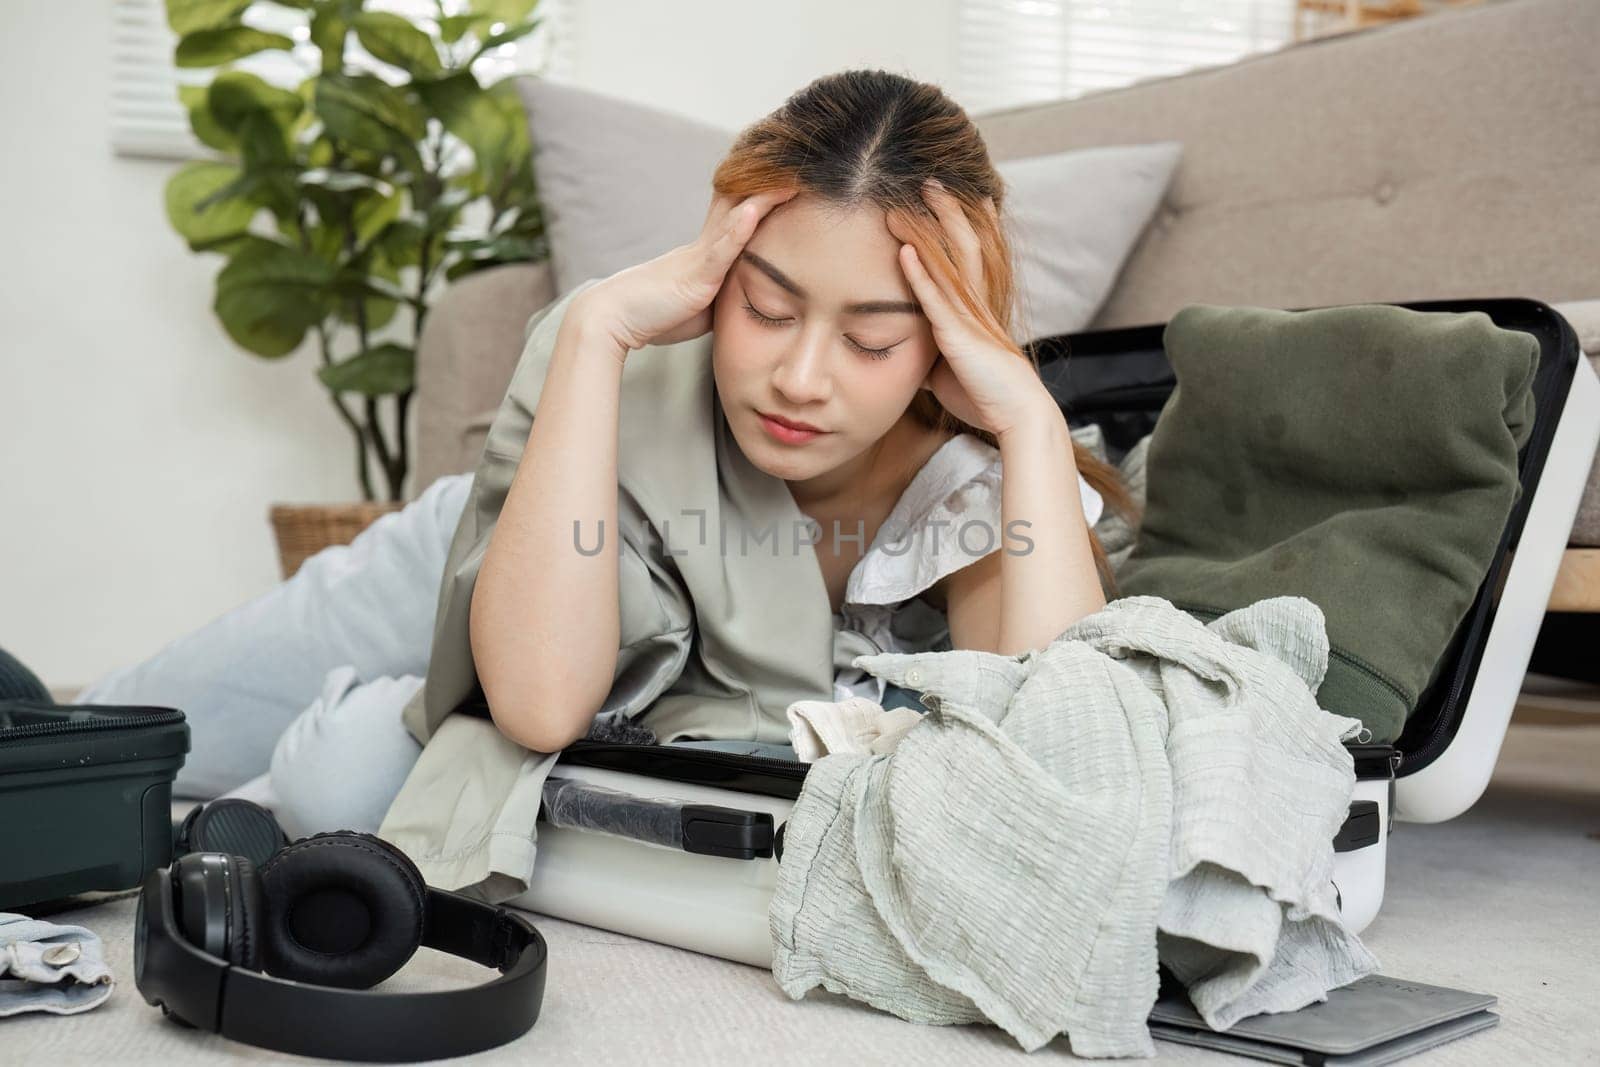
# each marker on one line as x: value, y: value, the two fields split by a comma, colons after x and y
x: 337, y: 202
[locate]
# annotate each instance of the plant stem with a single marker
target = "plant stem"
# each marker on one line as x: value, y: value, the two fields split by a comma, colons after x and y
x: 350, y: 420
x: 374, y: 425
x: 327, y: 361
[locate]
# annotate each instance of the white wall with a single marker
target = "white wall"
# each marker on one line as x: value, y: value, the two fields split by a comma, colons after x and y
x: 140, y: 449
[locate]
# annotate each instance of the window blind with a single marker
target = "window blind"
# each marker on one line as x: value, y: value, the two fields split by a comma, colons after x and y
x: 146, y: 118
x: 1015, y: 52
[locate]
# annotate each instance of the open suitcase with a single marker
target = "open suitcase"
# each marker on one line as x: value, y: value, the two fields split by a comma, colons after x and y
x: 681, y: 845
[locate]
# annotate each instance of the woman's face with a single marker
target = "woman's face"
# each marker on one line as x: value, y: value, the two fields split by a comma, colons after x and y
x: 831, y: 280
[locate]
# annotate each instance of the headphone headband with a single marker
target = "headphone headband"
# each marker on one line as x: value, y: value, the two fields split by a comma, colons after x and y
x: 209, y: 993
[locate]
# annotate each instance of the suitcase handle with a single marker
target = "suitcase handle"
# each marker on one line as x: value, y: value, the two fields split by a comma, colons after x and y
x: 703, y: 829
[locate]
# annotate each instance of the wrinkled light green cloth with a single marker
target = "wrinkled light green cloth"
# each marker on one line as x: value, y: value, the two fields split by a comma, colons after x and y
x: 1146, y: 788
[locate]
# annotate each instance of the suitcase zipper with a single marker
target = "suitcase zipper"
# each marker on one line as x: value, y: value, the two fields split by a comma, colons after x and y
x: 97, y: 722
x: 703, y: 755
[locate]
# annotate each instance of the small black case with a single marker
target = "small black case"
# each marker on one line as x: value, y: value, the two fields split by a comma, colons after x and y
x: 85, y: 796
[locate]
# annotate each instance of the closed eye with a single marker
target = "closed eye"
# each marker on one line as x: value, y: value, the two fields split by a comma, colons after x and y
x: 875, y: 353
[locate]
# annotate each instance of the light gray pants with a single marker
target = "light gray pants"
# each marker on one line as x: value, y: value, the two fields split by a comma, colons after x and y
x: 294, y: 698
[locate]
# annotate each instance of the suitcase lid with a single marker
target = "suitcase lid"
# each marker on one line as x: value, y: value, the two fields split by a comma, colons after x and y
x: 1120, y: 379
x: 37, y: 735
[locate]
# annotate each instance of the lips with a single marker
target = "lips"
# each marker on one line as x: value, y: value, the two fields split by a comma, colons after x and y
x: 792, y: 423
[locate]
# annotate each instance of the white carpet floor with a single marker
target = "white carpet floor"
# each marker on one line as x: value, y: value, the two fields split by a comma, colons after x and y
x: 1502, y: 900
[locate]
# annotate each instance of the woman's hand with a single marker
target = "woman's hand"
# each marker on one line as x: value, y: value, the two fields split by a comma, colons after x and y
x: 979, y: 381
x: 668, y: 299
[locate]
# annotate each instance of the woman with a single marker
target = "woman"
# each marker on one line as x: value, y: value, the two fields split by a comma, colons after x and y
x: 843, y: 290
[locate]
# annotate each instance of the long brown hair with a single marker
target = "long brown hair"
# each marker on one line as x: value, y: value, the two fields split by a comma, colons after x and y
x: 871, y: 137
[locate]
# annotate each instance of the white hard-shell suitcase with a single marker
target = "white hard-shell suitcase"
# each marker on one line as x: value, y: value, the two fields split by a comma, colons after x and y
x: 681, y: 845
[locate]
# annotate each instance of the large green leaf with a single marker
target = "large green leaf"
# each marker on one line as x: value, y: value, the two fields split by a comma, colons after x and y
x: 329, y: 25
x: 188, y: 16
x: 395, y: 40
x: 306, y: 91
x: 236, y: 96
x: 327, y: 241
x: 447, y: 98
x: 269, y: 166
x: 382, y: 370
x: 212, y: 48
x: 228, y: 244
x: 507, y: 11
x: 454, y: 27
x: 269, y: 295
x: 379, y: 310
x: 511, y: 33
x: 352, y: 282
x: 369, y: 113
x: 373, y: 212
x: 206, y: 129
x: 478, y: 253
x: 263, y: 144
x: 401, y: 243
x: 195, y: 182
x: 322, y: 152
x: 514, y: 120
x: 479, y: 117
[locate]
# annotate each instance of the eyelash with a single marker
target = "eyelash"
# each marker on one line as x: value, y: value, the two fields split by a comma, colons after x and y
x: 875, y: 353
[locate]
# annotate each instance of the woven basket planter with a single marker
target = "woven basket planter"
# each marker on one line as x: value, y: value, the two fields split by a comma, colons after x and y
x: 303, y: 530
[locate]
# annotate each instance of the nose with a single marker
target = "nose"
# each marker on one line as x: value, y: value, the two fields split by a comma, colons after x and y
x: 803, y: 375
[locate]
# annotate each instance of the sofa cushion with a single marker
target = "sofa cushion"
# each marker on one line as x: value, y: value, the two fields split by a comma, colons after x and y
x: 621, y: 183
x: 1446, y: 157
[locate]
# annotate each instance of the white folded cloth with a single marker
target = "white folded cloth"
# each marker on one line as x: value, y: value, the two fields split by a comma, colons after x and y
x: 858, y: 724
x: 49, y: 967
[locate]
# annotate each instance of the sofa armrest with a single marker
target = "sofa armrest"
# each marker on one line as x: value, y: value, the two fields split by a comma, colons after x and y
x: 468, y: 350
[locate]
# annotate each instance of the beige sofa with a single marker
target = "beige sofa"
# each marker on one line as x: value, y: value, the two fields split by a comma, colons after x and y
x: 1452, y: 156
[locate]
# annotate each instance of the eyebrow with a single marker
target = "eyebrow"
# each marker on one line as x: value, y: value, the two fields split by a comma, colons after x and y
x: 866, y: 307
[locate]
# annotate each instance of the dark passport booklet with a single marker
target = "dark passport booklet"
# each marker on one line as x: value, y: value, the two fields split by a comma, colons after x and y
x: 1374, y: 1020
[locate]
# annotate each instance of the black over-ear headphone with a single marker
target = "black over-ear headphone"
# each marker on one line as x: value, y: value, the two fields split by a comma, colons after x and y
x: 325, y: 918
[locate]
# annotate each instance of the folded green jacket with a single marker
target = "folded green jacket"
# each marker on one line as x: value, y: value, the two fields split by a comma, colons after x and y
x: 1364, y: 457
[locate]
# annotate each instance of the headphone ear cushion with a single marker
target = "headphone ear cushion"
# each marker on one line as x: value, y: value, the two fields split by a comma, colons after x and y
x: 245, y: 912
x: 181, y: 845
x: 342, y: 909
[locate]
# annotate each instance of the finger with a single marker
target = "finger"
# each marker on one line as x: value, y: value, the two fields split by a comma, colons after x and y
x: 770, y: 199
x: 935, y: 304
x: 962, y: 237
x: 725, y: 205
x: 721, y: 204
x: 943, y: 288
x: 738, y: 228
